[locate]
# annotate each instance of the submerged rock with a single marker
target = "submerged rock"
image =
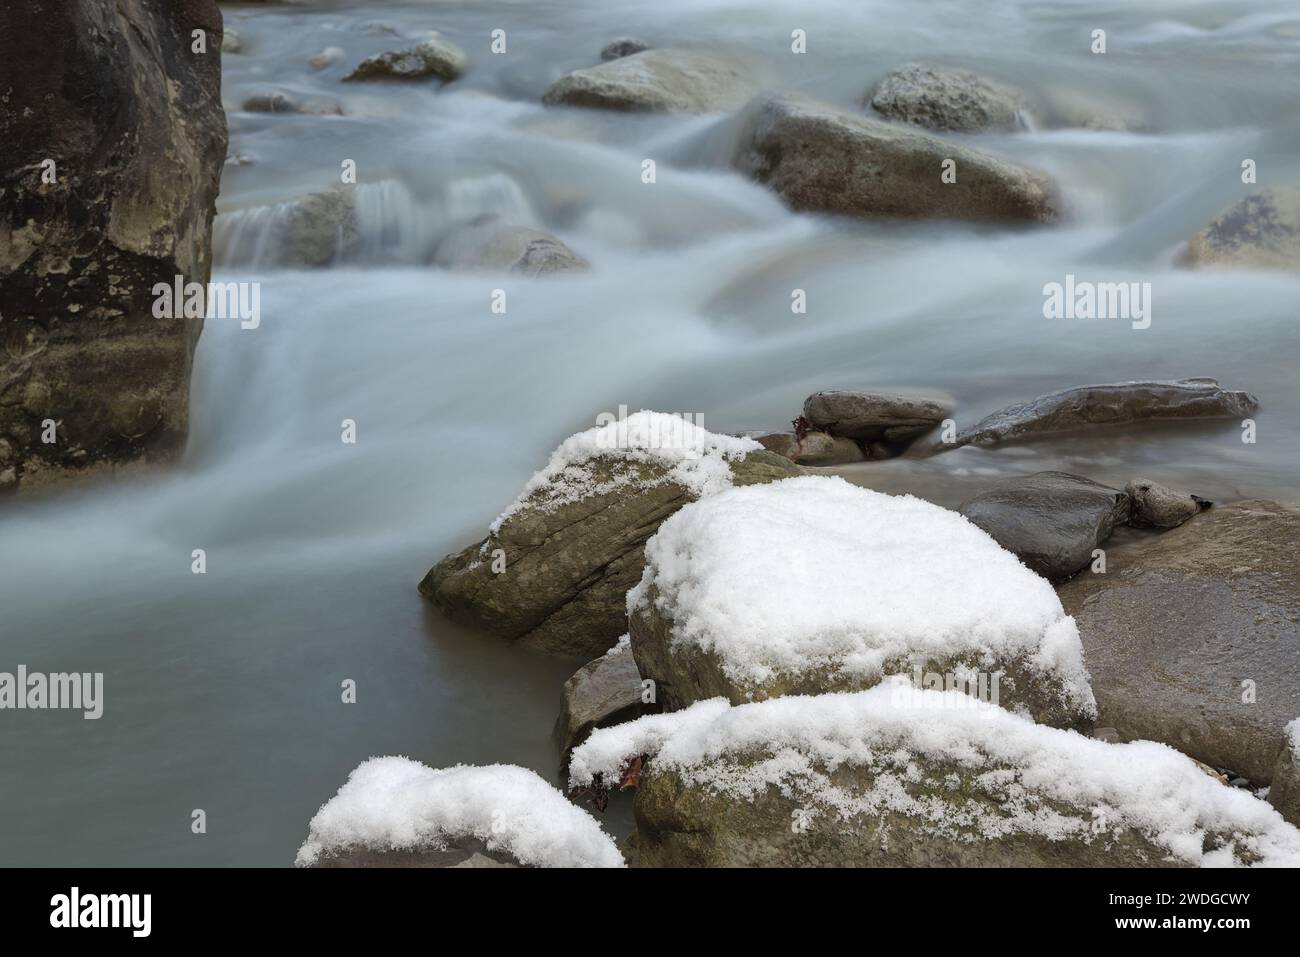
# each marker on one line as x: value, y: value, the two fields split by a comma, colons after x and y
x: 1157, y: 506
x: 812, y: 585
x: 600, y: 693
x: 1099, y: 406
x: 1191, y: 636
x: 314, y: 230
x: 945, y: 99
x: 623, y: 46
x: 682, y: 81
x: 894, y: 777
x: 1262, y: 231
x: 489, y: 244
x: 875, y: 416
x: 277, y: 101
x: 231, y: 42
x: 116, y: 138
x: 1051, y: 521
x: 555, y: 568
x: 821, y: 159
x: 434, y: 56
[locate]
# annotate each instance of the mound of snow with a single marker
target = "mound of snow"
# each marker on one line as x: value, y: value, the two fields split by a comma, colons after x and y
x: 398, y: 804
x: 794, y: 743
x: 692, y: 456
x: 814, y: 573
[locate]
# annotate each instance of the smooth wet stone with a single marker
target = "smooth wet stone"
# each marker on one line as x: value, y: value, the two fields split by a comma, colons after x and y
x: 1051, y: 521
x: 600, y: 693
x: 1192, y: 636
x: 1090, y: 407
x: 821, y: 159
x: 668, y: 80
x: 231, y: 41
x: 1158, y: 506
x: 947, y: 99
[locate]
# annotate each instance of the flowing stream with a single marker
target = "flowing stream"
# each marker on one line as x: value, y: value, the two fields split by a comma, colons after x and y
x: 222, y: 690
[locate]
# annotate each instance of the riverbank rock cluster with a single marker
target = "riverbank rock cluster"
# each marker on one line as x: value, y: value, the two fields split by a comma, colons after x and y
x: 117, y: 137
x: 816, y: 674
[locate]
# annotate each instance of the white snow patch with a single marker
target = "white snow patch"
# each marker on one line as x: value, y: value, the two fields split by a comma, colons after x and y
x: 1030, y: 770
x: 693, y: 457
x: 812, y: 572
x: 1293, y: 737
x: 395, y: 803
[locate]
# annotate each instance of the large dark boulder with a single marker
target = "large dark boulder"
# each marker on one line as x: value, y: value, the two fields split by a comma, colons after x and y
x: 130, y: 116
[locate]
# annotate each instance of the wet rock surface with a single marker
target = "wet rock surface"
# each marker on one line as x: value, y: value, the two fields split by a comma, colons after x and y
x: 1192, y: 636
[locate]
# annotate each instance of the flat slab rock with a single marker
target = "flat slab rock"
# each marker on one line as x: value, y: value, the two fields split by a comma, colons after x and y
x: 660, y: 80
x: 821, y: 159
x: 874, y: 415
x: 1099, y: 406
x: 1051, y: 521
x: 1192, y: 637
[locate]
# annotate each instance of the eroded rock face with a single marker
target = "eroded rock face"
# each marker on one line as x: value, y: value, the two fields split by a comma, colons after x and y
x: 1098, y: 406
x: 568, y: 569
x: 946, y: 99
x: 1051, y: 521
x: 489, y: 244
x: 435, y: 56
x: 820, y: 159
x: 131, y: 124
x: 668, y: 80
x: 1192, y: 636
x: 1260, y: 232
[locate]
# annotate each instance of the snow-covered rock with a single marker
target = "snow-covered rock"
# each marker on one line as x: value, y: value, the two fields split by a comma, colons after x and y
x: 557, y: 563
x: 812, y: 584
x: 896, y: 776
x: 399, y: 807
